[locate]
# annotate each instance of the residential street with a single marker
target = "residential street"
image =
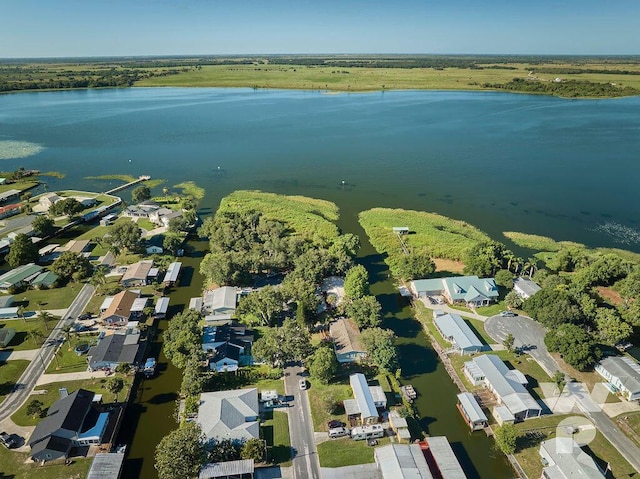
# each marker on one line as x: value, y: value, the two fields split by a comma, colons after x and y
x: 38, y: 365
x: 305, y: 456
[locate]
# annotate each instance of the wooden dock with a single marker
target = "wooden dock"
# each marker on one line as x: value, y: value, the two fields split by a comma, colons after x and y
x: 140, y: 179
x: 408, y: 392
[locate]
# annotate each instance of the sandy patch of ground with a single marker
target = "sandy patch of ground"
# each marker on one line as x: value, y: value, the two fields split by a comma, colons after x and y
x: 448, y: 265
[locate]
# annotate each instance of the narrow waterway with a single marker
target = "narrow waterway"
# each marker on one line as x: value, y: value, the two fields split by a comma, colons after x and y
x: 151, y: 415
x: 421, y: 367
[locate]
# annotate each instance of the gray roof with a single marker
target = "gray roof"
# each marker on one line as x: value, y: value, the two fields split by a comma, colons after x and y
x: 513, y: 394
x: 566, y: 460
x: 224, y: 298
x: 6, y: 301
x: 172, y: 272
x: 226, y: 469
x: 471, y: 408
x: 113, y: 349
x: 8, y: 194
x: 106, y: 466
x: 66, y: 413
x: 346, y: 337
x: 162, y: 305
x: 456, y: 330
x: 229, y: 414
x: 402, y: 461
x: 625, y: 369
x: 363, y: 396
x: 445, y: 458
x: 526, y: 285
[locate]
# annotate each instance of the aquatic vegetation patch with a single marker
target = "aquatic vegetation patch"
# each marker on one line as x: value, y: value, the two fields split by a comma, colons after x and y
x: 619, y: 233
x: 189, y: 188
x: 537, y: 242
x: 10, y: 149
x: 123, y: 178
x: 53, y: 174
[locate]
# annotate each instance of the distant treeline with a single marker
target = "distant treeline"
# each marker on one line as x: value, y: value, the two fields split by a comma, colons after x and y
x: 576, y: 71
x: 567, y: 89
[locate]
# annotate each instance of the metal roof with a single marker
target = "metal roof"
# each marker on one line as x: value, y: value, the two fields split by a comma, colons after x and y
x: 162, y: 305
x: 225, y: 469
x: 106, y: 466
x: 625, y: 369
x: 471, y: 408
x: 172, y: 272
x: 224, y: 299
x: 527, y: 286
x: 445, y: 458
x: 363, y: 395
x: 229, y: 414
x: 402, y: 461
x: 469, y: 287
x: 567, y: 460
x: 456, y: 330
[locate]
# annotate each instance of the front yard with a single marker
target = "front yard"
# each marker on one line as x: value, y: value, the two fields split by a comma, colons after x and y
x: 56, y: 298
x: 66, y: 360
x: 347, y: 452
x: 275, y: 431
x: 14, y: 467
x: 30, y: 332
x: 10, y: 372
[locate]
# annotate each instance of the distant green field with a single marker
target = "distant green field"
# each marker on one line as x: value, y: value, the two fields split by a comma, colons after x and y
x: 309, y: 217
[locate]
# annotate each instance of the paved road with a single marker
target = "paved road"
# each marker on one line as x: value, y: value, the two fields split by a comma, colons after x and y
x: 37, y: 367
x: 305, y: 455
x: 526, y: 332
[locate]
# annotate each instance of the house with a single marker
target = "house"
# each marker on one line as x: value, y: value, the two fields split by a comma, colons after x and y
x: 9, y: 313
x: 563, y: 459
x: 346, y: 341
x: 623, y: 373
x: 230, y: 415
x: 71, y: 421
x: 162, y: 216
x: 172, y: 273
x: 525, y: 287
x: 399, y: 426
x: 6, y: 301
x: 441, y: 458
x: 116, y: 310
x: 469, y: 290
x: 6, y: 335
x: 472, y: 412
x: 113, y: 350
x: 506, y: 384
x: 108, y: 219
x: 77, y: 246
x: 228, y: 346
x: 456, y: 331
x: 401, y: 461
x: 502, y: 415
x: 241, y: 469
x: 137, y: 274
x: 153, y: 249
x: 362, y: 409
x: 45, y: 280
x: 9, y: 210
x: 141, y: 210
x: 220, y: 300
x: 48, y: 200
x: 401, y: 230
x: 162, y: 305
x: 20, y: 276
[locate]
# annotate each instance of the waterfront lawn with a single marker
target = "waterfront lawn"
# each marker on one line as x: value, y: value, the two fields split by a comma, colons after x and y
x: 10, y: 372
x: 51, y: 394
x: 14, y: 466
x: 66, y: 360
x: 145, y: 224
x: 345, y: 451
x: 600, y: 449
x: 308, y: 217
x: 275, y: 431
x: 20, y: 185
x: 55, y: 298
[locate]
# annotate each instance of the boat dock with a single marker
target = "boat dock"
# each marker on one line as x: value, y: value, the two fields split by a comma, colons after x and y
x: 408, y: 392
x: 140, y: 179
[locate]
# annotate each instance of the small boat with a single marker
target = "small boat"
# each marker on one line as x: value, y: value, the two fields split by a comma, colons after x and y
x: 408, y: 392
x: 150, y: 367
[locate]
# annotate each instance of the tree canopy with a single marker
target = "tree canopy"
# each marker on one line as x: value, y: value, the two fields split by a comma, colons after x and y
x: 180, y: 454
x: 124, y: 235
x: 22, y: 251
x: 324, y: 365
x: 290, y: 342
x: 356, y: 283
x: 141, y: 193
x: 66, y: 206
x: 380, y: 346
x: 415, y: 265
x: 577, y: 347
x: 485, y: 258
x: 365, y: 311
x: 43, y: 225
x: 70, y: 264
x: 182, y: 338
x: 262, y: 306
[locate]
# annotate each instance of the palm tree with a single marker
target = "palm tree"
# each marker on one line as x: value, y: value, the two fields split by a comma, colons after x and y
x: 35, y: 335
x: 165, y: 191
x: 45, y: 317
x: 21, y: 311
x: 533, y: 266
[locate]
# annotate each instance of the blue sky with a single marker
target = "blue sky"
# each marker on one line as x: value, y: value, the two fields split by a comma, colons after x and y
x: 63, y: 28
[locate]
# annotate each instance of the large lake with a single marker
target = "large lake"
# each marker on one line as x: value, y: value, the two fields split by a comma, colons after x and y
x: 503, y: 162
x: 562, y: 168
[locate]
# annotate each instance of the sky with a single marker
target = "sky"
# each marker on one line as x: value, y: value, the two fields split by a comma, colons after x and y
x: 88, y: 28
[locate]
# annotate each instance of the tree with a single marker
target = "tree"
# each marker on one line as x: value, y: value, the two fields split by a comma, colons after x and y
x: 504, y: 278
x: 115, y: 385
x: 192, y: 380
x: 172, y: 242
x: 291, y: 342
x: 223, y: 450
x: 22, y: 251
x: 124, y: 235
x: 123, y: 368
x: 180, y: 454
x: 506, y: 437
x: 611, y: 327
x: 43, y: 225
x: 508, y: 342
x: 577, y: 346
x: 356, y: 283
x: 141, y: 193
x: 36, y: 409
x: 99, y: 276
x: 512, y: 300
x: 178, y: 225
x: 265, y: 305
x: 70, y: 264
x: 182, y: 338
x: 559, y: 380
x: 552, y: 307
x: 485, y: 258
x: 365, y: 311
x: 324, y: 365
x: 380, y: 346
x: 45, y: 317
x: 416, y: 264
x: 253, y: 448
x: 67, y: 206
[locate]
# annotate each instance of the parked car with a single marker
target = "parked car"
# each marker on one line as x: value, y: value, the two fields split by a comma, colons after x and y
x: 338, y: 432
x: 85, y: 316
x: 7, y: 440
x: 334, y: 424
x: 507, y: 314
x: 303, y: 384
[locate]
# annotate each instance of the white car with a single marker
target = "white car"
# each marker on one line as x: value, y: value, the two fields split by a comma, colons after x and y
x: 303, y: 384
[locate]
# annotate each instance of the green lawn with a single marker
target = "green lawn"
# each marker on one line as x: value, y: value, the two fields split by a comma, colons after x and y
x: 97, y: 385
x: 56, y: 298
x: 529, y: 458
x: 317, y: 394
x: 492, y: 310
x: 275, y: 431
x: 23, y: 341
x: 66, y: 360
x: 20, y: 185
x: 13, y: 466
x: 347, y: 452
x: 478, y: 327
x: 10, y: 372
x: 145, y: 224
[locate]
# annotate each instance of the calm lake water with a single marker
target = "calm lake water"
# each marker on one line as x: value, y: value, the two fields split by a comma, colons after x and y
x: 563, y: 168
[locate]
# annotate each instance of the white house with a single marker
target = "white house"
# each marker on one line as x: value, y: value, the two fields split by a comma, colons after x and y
x: 220, y: 300
x: 623, y: 373
x: 230, y: 414
x: 525, y: 287
x: 563, y: 459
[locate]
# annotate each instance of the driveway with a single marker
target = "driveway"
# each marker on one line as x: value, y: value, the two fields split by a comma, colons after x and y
x: 305, y: 455
x: 527, y: 333
x: 447, y: 309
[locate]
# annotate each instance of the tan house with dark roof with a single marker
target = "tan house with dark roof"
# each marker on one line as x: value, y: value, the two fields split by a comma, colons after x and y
x: 119, y: 310
x: 346, y: 341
